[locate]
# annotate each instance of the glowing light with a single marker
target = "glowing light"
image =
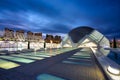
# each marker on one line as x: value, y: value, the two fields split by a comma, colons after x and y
x: 77, y: 63
x: 79, y: 59
x: 42, y: 55
x: 38, y: 55
x: 113, y: 70
x: 7, y: 64
x: 23, y: 60
x: 48, y: 76
x: 29, y: 57
x: 74, y: 56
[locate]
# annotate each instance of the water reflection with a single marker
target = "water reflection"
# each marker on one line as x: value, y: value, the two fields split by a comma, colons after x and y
x: 112, y: 56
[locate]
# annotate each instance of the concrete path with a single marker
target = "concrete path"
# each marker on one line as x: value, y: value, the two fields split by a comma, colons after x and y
x: 77, y: 64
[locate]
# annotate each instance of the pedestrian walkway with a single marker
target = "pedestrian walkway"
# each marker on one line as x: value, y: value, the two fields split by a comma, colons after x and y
x: 77, y: 64
x: 25, y: 58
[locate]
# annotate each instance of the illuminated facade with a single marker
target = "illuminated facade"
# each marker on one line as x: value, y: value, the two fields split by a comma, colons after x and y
x: 20, y: 35
x: 49, y: 38
x: 20, y: 40
x: 30, y: 36
x: 86, y: 37
x: 55, y: 39
x: 117, y: 43
x: 8, y: 34
x: 52, y: 41
x: 34, y: 37
x: 38, y: 37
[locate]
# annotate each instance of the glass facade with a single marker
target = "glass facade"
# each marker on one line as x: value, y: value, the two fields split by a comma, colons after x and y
x: 91, y: 38
x: 96, y: 36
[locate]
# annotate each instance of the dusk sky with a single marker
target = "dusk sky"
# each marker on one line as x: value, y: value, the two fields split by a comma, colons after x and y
x: 60, y: 16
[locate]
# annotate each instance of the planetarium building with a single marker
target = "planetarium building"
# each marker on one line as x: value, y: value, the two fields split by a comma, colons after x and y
x: 85, y: 36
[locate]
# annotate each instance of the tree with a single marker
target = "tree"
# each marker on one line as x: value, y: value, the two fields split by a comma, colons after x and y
x: 44, y: 44
x: 114, y: 43
x: 28, y: 44
x: 115, y: 46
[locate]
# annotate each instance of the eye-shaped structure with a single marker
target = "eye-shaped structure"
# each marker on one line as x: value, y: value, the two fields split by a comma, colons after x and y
x: 85, y: 36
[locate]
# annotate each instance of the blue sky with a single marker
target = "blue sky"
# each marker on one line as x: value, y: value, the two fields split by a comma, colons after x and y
x: 60, y: 16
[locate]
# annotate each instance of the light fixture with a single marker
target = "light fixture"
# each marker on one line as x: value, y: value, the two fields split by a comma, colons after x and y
x: 113, y: 70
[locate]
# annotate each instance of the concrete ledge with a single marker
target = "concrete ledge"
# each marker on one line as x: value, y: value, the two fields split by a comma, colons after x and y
x: 105, y: 63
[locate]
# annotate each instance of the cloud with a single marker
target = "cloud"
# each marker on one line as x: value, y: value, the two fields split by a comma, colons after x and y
x: 60, y: 16
x: 55, y: 28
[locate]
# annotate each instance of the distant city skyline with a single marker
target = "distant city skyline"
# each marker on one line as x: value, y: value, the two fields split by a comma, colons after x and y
x: 60, y: 16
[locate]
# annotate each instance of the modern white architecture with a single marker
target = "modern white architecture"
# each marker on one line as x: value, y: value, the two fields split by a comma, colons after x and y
x: 86, y: 37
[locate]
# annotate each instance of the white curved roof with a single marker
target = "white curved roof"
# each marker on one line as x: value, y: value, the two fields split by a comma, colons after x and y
x: 86, y: 36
